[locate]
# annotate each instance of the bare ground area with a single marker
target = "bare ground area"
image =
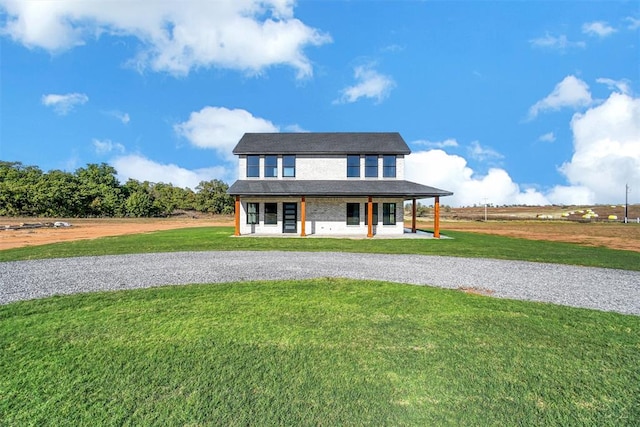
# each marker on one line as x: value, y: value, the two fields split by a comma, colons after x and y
x: 613, y: 235
x: 85, y: 228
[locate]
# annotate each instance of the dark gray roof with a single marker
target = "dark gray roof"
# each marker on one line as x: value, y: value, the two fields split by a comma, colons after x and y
x: 337, y: 188
x: 322, y: 143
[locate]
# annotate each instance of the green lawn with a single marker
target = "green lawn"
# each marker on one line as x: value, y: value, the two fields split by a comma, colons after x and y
x: 316, y: 352
x: 220, y: 238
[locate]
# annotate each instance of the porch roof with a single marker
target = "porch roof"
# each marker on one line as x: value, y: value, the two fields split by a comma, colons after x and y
x: 335, y: 188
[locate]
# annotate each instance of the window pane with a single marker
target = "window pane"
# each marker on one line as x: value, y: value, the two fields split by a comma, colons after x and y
x: 389, y: 167
x: 271, y: 166
x: 252, y: 213
x: 371, y: 166
x: 375, y: 213
x: 253, y: 166
x: 389, y: 213
x: 353, y: 166
x: 270, y: 213
x: 353, y: 213
x: 289, y: 166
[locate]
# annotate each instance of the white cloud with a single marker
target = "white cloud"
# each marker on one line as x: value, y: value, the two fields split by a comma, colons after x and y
x: 547, y: 137
x: 123, y: 117
x: 619, y: 85
x: 220, y: 129
x: 634, y: 23
x: 598, y: 28
x: 143, y: 169
x: 63, y: 104
x: 369, y: 84
x: 175, y: 36
x: 447, y: 143
x: 570, y: 92
x: 606, y: 140
x: 450, y: 172
x: 559, y: 43
x: 480, y: 153
x: 107, y: 146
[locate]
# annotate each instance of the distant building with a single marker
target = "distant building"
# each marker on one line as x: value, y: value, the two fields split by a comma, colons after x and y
x: 324, y: 184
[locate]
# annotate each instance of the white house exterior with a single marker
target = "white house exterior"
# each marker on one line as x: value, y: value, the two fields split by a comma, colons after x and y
x: 323, y: 184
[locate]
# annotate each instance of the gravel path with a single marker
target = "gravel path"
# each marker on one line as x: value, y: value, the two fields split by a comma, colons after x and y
x: 598, y: 288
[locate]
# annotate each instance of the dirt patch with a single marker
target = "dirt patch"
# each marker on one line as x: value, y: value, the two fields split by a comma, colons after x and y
x: 82, y: 229
x: 610, y: 235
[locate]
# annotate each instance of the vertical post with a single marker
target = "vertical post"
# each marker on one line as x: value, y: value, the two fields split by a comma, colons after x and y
x: 237, y: 214
x: 370, y: 218
x: 413, y: 216
x: 303, y: 217
x: 626, y: 203
x: 436, y: 218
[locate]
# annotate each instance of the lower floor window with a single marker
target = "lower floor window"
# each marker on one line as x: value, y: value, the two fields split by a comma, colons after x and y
x: 270, y: 213
x: 389, y: 213
x: 375, y: 213
x: 353, y: 213
x: 253, y: 212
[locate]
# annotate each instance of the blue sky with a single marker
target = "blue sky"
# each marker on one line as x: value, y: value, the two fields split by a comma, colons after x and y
x: 523, y: 102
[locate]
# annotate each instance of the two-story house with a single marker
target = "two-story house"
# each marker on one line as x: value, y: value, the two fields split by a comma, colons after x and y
x: 324, y: 184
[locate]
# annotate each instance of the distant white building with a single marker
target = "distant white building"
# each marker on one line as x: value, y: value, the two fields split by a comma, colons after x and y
x: 324, y: 184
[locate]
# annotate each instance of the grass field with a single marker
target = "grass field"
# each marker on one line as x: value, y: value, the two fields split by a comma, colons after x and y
x: 220, y: 238
x: 316, y: 352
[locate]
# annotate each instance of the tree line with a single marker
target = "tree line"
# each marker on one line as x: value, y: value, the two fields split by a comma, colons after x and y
x: 94, y: 191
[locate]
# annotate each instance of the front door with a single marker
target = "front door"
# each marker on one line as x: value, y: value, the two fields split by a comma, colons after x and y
x: 289, y: 224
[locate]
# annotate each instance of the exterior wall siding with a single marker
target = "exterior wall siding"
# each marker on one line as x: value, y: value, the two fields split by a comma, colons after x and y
x: 320, y: 168
x: 324, y: 216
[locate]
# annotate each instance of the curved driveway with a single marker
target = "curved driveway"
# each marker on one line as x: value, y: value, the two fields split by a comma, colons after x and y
x: 598, y: 288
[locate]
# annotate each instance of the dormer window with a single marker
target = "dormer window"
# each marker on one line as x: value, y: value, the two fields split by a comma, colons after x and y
x: 371, y: 166
x: 288, y: 166
x: 253, y: 166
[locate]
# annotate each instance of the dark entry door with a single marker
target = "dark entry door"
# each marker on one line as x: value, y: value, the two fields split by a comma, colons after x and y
x: 289, y: 224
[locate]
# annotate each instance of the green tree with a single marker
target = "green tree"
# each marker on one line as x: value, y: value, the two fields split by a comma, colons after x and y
x: 139, y: 204
x: 100, y: 190
x: 212, y: 197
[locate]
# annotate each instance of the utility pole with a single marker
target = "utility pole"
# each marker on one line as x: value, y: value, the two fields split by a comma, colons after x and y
x: 626, y: 203
x: 485, y: 209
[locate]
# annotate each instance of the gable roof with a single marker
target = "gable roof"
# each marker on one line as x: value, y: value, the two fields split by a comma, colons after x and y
x: 322, y: 143
x: 334, y: 188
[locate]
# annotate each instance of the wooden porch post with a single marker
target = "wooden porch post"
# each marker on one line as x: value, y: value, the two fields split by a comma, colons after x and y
x: 237, y: 219
x: 436, y: 218
x: 303, y: 217
x: 370, y: 218
x: 413, y: 216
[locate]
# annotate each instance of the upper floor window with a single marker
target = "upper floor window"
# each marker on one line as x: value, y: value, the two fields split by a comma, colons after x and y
x: 271, y: 166
x: 253, y: 166
x: 371, y: 166
x: 353, y: 166
x: 289, y: 166
x: 389, y: 166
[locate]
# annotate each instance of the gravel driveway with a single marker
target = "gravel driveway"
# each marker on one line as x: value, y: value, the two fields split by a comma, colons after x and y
x: 598, y: 288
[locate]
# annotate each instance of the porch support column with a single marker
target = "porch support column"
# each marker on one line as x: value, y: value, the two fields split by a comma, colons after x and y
x: 370, y: 218
x: 303, y: 216
x: 436, y: 218
x: 413, y: 215
x: 237, y: 215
